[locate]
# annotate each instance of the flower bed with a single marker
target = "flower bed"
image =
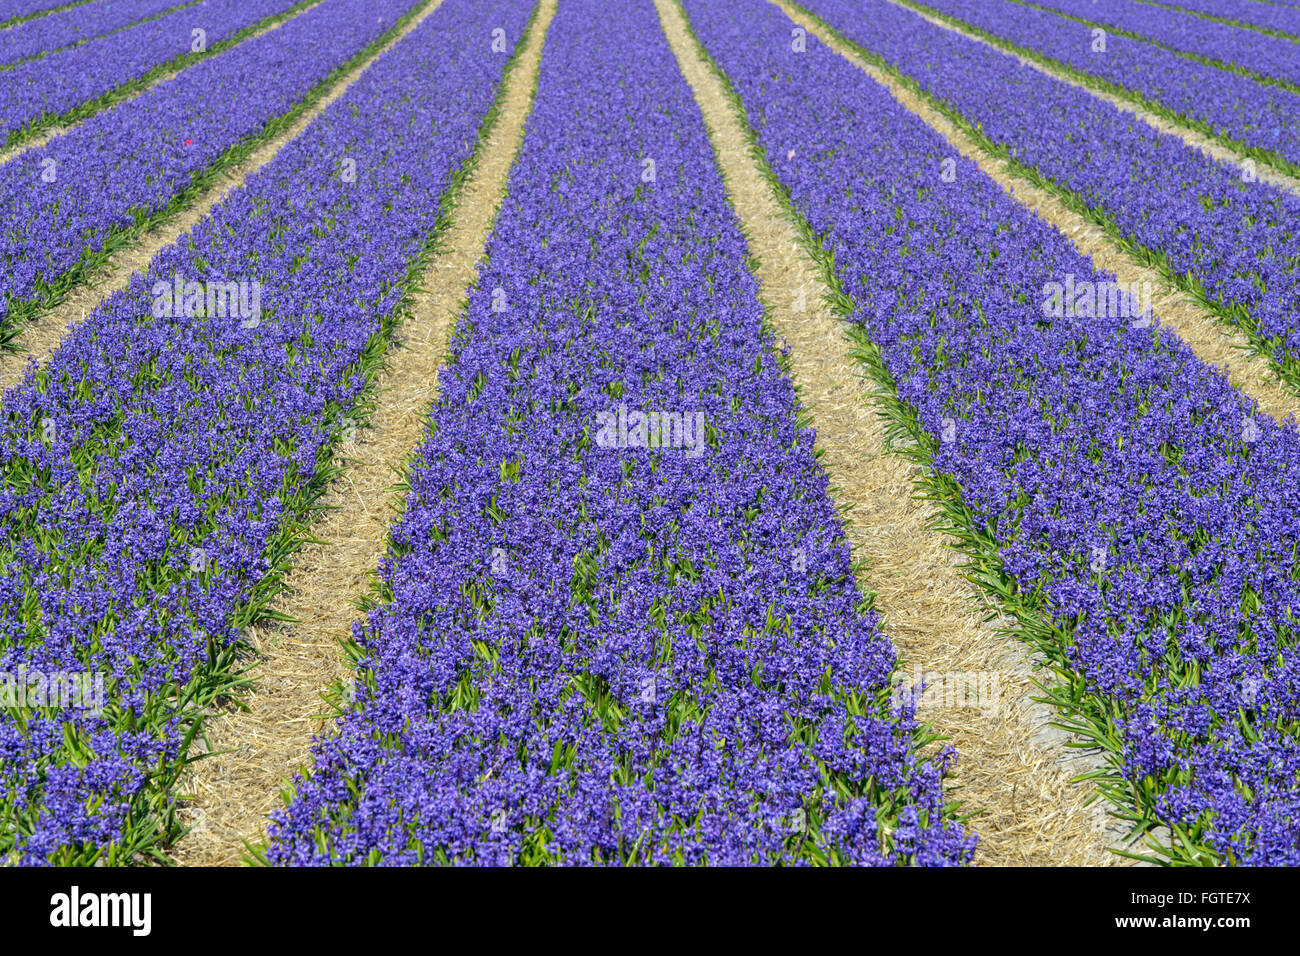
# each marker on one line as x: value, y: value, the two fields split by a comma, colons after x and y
x: 158, y: 471
x: 594, y: 647
x: 1124, y: 503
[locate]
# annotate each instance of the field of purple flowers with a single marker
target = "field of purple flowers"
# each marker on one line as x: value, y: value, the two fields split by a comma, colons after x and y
x: 618, y: 620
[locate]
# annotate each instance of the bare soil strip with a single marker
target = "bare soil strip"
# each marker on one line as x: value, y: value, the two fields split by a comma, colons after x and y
x: 38, y: 339
x: 168, y: 72
x: 233, y: 792
x: 1217, y: 149
x: 1213, y: 342
x: 1013, y: 766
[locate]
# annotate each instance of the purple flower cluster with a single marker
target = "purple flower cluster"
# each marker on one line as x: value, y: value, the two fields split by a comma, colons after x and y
x: 68, y: 199
x: 155, y: 470
x: 1206, y: 223
x: 1230, y: 105
x: 1263, y: 55
x: 593, y: 650
x: 1282, y: 18
x: 13, y: 9
x: 1131, y: 495
x: 54, y: 85
x: 58, y: 30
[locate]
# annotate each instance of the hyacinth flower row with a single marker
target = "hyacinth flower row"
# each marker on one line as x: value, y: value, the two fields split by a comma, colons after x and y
x: 594, y: 646
x: 1268, y: 15
x: 160, y: 467
x: 68, y: 202
x: 1212, y: 228
x: 1226, y: 104
x: 54, y: 87
x: 1269, y: 57
x: 1112, y: 487
x: 46, y: 34
x: 13, y: 9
